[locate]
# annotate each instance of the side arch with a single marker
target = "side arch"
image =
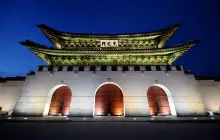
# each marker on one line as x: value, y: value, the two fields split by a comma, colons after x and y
x: 169, y: 98
x: 49, y: 98
x: 94, y: 101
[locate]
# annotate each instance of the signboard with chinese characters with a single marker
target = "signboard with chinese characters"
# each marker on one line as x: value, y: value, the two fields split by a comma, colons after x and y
x: 109, y: 43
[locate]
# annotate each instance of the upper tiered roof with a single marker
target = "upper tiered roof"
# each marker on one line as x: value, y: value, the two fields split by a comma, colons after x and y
x: 155, y: 39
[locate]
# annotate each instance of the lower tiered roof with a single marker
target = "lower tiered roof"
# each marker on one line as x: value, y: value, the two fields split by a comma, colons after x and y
x: 109, y: 56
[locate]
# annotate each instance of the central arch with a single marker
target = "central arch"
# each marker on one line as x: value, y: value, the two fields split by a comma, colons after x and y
x: 109, y: 100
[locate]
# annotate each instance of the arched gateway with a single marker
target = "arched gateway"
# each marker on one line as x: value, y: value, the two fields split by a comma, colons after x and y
x: 158, y: 101
x: 109, y: 101
x: 108, y: 55
x: 60, y: 102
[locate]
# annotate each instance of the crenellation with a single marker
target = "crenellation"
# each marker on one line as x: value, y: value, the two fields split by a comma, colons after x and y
x: 109, y: 68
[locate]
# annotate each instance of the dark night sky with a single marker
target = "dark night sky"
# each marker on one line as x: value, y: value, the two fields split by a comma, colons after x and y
x: 200, y: 20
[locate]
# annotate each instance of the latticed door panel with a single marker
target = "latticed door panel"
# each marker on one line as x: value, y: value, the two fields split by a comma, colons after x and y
x: 117, y: 109
x: 66, y: 101
x: 101, y: 103
x: 56, y: 103
x: 116, y: 99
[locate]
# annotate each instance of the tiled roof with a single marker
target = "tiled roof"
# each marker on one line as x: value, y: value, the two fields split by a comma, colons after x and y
x: 17, y: 78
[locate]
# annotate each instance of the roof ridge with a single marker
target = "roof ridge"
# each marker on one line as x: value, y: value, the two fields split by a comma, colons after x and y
x: 43, y: 26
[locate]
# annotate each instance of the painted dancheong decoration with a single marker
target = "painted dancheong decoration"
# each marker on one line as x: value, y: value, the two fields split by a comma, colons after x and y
x: 108, y: 49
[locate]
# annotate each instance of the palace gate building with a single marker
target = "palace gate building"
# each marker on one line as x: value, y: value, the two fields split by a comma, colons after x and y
x: 109, y: 75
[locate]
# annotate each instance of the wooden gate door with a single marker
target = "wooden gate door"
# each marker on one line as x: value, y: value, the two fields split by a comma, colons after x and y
x: 158, y: 101
x: 109, y: 101
x: 60, y: 102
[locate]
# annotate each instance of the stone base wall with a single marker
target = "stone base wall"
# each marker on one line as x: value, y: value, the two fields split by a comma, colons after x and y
x: 9, y: 94
x: 182, y: 90
x: 210, y: 92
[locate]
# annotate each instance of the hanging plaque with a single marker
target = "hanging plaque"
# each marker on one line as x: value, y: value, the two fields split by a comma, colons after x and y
x: 109, y: 43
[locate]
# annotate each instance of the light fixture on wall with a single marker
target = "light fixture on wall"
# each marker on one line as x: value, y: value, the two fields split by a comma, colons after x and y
x: 167, y: 73
x: 75, y: 72
x: 124, y: 73
x: 51, y: 73
x: 108, y: 79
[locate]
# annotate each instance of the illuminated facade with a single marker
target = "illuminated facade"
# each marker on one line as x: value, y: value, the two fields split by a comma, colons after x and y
x: 112, y: 75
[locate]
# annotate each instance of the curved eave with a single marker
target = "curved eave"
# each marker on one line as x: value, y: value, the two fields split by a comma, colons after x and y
x: 164, y: 35
x: 56, y: 52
